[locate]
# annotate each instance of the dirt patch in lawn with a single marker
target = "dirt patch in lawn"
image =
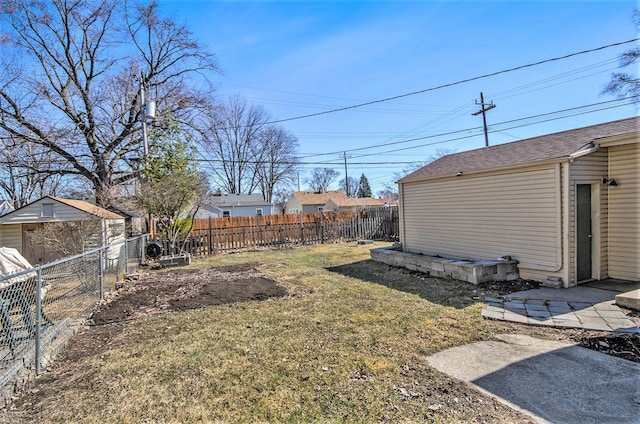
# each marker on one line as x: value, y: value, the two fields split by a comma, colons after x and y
x: 159, y: 293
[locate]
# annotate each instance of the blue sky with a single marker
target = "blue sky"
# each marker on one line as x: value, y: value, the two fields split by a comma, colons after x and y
x: 297, y: 58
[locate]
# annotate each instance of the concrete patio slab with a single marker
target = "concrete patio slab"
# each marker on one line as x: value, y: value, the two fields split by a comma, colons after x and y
x: 553, y: 382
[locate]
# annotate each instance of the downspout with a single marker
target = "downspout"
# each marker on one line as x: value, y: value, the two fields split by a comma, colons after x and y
x: 583, y: 151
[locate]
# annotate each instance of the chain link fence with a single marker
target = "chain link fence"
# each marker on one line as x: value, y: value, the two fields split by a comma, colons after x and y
x: 42, y: 307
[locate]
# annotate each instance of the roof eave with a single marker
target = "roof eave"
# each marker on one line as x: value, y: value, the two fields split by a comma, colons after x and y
x: 486, y: 171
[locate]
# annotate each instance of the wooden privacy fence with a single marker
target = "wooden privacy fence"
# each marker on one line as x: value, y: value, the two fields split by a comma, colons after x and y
x: 213, y: 235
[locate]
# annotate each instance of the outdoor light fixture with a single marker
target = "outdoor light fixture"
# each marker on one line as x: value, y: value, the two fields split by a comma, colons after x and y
x: 610, y: 182
x: 459, y: 174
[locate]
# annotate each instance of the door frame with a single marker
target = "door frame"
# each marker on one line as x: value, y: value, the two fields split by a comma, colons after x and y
x: 595, y: 232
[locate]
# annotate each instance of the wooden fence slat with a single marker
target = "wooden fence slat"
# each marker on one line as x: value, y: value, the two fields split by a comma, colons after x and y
x: 213, y: 235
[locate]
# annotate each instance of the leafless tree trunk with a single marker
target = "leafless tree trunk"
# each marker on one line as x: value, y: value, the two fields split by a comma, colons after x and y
x: 275, y: 160
x: 229, y: 145
x: 71, y: 75
x: 26, y: 173
x: 321, y: 179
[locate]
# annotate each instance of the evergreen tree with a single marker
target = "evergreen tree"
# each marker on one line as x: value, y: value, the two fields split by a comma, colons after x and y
x: 364, y: 189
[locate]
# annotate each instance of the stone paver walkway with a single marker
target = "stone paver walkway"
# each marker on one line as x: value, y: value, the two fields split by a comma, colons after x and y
x: 586, y: 308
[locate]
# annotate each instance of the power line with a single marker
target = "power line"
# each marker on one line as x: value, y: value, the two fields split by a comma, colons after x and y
x: 337, y: 162
x: 464, y: 130
x: 492, y: 74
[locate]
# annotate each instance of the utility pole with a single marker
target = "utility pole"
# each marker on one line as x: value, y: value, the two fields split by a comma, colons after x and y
x: 484, y: 108
x: 148, y: 112
x: 346, y: 177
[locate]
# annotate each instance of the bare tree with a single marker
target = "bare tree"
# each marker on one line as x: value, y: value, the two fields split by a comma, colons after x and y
x: 622, y: 83
x: 65, y: 238
x: 351, y: 189
x: 26, y: 174
x: 71, y: 77
x: 417, y: 165
x: 321, y: 179
x: 276, y: 160
x: 280, y: 198
x: 388, y: 192
x: 230, y: 144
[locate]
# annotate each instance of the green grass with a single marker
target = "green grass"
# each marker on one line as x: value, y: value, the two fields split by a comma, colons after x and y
x: 351, y: 334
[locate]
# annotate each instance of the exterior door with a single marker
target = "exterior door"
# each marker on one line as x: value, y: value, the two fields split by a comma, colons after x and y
x: 584, y: 236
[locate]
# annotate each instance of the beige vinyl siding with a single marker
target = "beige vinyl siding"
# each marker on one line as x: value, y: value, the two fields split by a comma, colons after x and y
x: 486, y: 216
x: 624, y: 212
x: 11, y: 236
x: 293, y: 205
x: 590, y: 169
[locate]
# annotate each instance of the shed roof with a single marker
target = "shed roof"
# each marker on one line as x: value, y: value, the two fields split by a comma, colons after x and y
x: 356, y: 202
x: 313, y: 198
x: 532, y: 150
x: 228, y: 200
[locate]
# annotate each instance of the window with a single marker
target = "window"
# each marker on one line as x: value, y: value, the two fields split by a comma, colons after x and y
x: 47, y: 210
x: 259, y: 211
x: 226, y: 214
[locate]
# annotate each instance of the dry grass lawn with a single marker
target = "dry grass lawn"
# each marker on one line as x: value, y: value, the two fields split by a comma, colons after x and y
x: 347, y: 344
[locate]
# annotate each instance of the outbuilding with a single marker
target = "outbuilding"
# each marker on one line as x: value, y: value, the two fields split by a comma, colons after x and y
x: 105, y: 227
x: 564, y: 206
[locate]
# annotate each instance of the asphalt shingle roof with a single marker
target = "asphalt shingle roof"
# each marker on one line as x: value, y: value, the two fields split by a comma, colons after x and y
x: 312, y: 198
x: 228, y: 200
x: 533, y: 150
x: 88, y: 208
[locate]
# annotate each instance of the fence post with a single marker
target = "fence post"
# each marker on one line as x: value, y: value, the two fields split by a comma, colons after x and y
x: 101, y: 272
x: 301, y: 229
x: 126, y: 258
x: 38, y: 315
x: 210, y: 238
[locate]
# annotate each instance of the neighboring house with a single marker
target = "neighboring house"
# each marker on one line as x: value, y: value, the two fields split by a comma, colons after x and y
x: 208, y: 211
x: 241, y: 205
x: 16, y: 226
x: 5, y: 207
x: 351, y: 204
x: 564, y: 205
x: 389, y: 201
x: 309, y: 201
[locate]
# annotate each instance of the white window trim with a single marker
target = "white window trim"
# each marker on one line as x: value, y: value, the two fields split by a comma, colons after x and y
x: 46, y: 209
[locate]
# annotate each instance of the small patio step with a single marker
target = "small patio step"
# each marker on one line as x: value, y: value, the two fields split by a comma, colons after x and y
x: 629, y: 299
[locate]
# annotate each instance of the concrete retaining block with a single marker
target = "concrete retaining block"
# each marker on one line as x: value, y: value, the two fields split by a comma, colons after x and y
x: 474, y: 272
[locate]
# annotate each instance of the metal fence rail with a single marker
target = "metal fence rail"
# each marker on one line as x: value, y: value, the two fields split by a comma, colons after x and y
x: 40, y: 307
